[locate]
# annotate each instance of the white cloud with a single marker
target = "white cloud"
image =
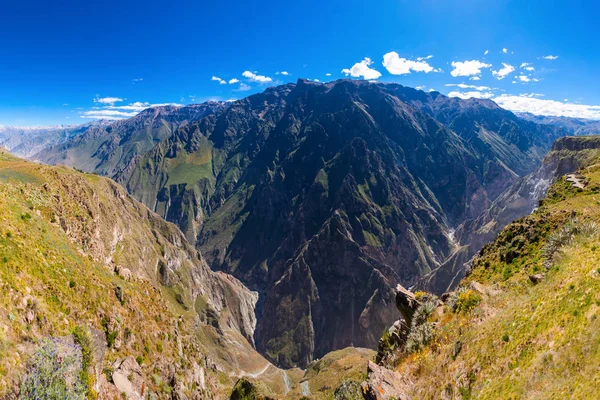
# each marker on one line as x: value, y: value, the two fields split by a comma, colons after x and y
x: 233, y: 80
x: 120, y: 112
x: 328, y: 74
x: 316, y: 80
x: 527, y: 66
x: 468, y: 68
x: 420, y: 87
x: 505, y: 50
x: 108, y: 100
x: 528, y: 103
x: 256, y: 78
x: 550, y: 57
x: 285, y: 73
x: 504, y: 71
x: 464, y: 86
x: 432, y: 90
x: 486, y: 52
x: 221, y: 81
x: 472, y: 94
x: 397, y: 65
x: 243, y: 88
x: 524, y: 78
x: 475, y: 78
x: 362, y: 69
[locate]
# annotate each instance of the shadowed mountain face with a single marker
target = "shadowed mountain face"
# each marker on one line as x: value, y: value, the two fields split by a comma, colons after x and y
x: 323, y: 197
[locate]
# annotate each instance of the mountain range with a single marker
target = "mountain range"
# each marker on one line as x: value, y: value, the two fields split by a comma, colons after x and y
x: 310, y: 193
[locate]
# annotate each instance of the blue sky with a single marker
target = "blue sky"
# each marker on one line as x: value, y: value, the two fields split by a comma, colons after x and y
x: 62, y: 62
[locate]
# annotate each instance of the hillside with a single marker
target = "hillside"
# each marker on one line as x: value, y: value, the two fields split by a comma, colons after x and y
x: 524, y: 322
x: 81, y: 257
x: 310, y: 191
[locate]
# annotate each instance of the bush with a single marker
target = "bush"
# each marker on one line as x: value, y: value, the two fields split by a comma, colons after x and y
x: 466, y: 301
x: 421, y: 331
x: 82, y: 338
x: 54, y: 372
x: 564, y: 236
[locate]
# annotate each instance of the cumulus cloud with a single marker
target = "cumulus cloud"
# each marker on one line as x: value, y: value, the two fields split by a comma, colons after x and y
x: 485, y: 53
x: 328, y: 74
x: 468, y: 68
x: 472, y: 94
x: 243, y: 88
x: 120, y: 112
x: 550, y: 57
x: 285, y: 73
x: 256, y: 78
x: 465, y: 86
x: 505, y: 50
x: 524, y: 78
x: 527, y: 66
x: 217, y: 79
x: 397, y: 65
x: 108, y: 100
x: 233, y: 80
x: 537, y: 106
x: 504, y: 71
x: 421, y: 87
x: 475, y: 78
x: 362, y: 69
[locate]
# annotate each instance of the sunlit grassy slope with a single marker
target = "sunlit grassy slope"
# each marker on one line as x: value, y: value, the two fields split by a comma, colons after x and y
x: 524, y: 340
x: 62, y: 235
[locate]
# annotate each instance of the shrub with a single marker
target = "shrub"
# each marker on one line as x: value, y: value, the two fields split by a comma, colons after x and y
x: 466, y: 301
x: 82, y: 337
x: 564, y: 236
x: 54, y: 372
x: 421, y: 331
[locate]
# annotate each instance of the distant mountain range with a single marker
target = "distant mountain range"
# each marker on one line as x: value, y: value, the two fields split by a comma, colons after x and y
x: 321, y: 197
x: 575, y: 126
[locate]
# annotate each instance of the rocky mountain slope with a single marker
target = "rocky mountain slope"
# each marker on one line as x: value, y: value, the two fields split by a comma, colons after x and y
x: 107, y: 148
x: 81, y: 258
x: 524, y: 322
x: 310, y: 192
x: 567, y: 154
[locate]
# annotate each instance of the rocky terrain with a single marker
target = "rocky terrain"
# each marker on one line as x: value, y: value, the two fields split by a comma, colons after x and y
x: 81, y: 258
x: 523, y: 323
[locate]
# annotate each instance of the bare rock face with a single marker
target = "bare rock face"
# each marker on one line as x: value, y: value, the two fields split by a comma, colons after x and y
x: 536, y: 278
x: 128, y: 378
x: 384, y: 384
x: 407, y: 303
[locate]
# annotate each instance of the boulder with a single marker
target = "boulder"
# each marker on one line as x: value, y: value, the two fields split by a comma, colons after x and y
x: 124, y: 273
x: 407, y: 303
x: 537, y: 278
x: 385, y: 384
x: 127, y: 377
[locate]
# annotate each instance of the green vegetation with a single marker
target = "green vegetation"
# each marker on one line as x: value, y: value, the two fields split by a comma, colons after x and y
x: 54, y: 372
